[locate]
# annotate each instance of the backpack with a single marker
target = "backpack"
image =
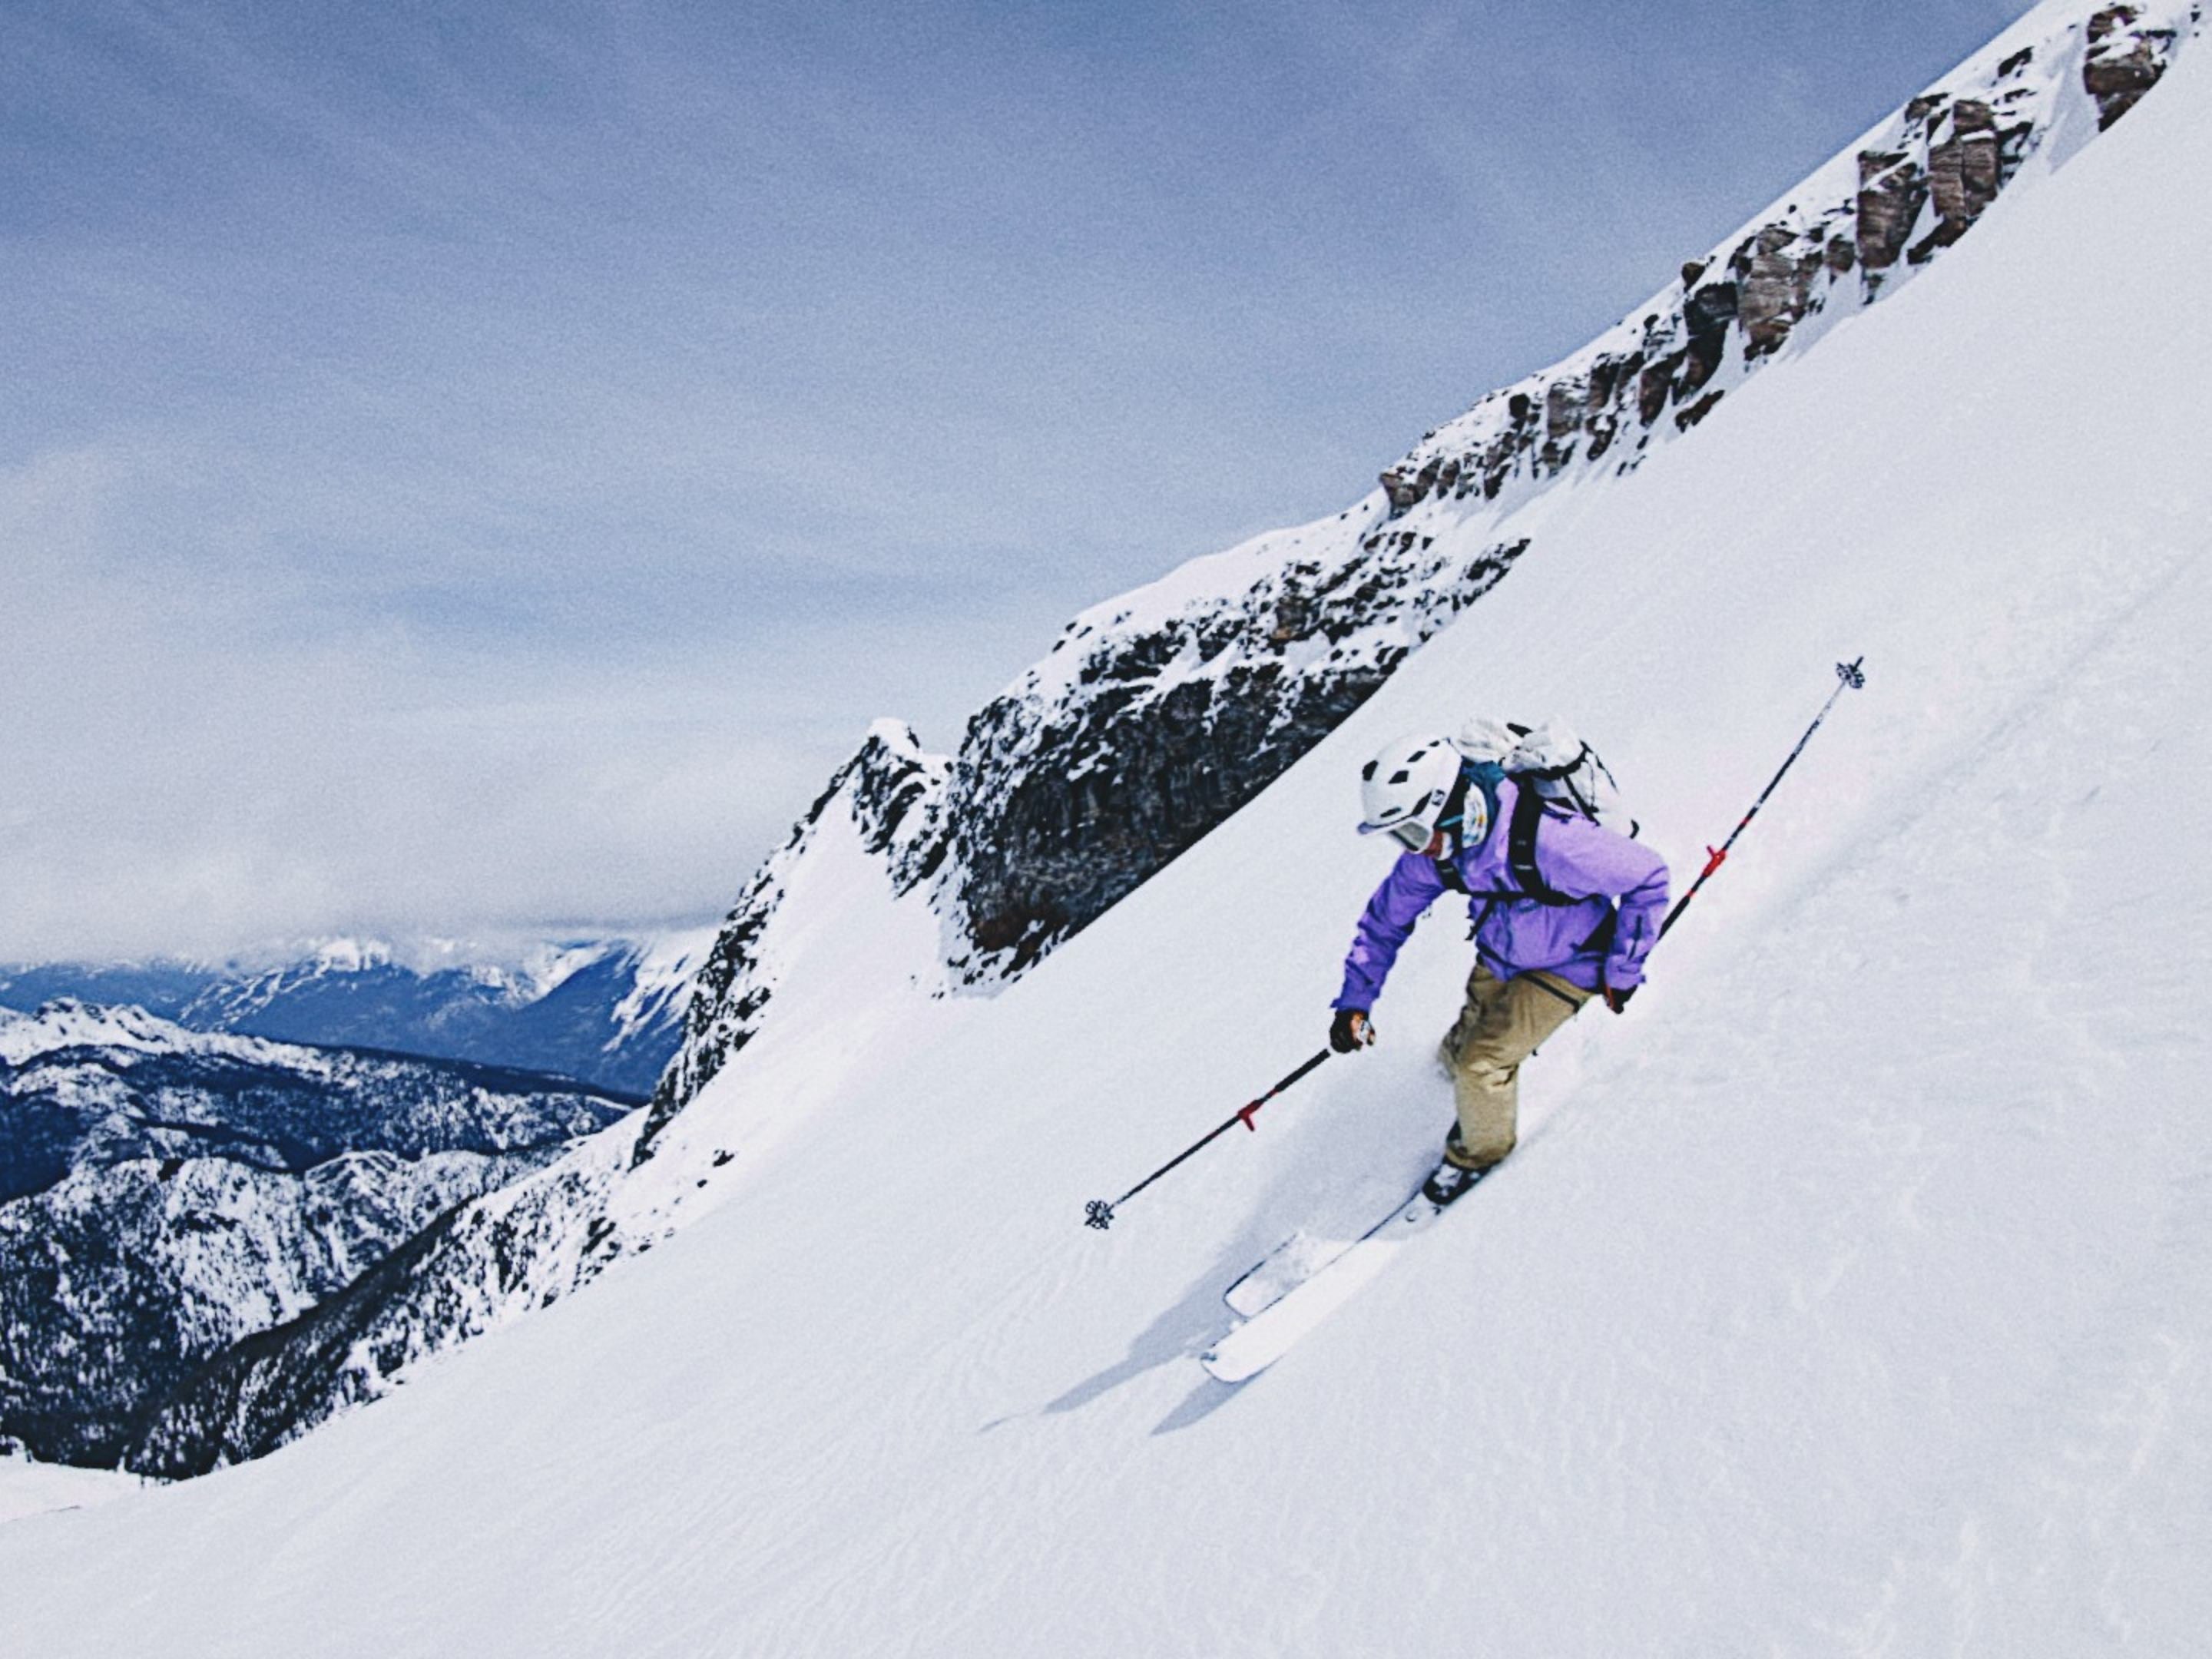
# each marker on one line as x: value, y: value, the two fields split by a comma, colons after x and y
x: 1557, y: 771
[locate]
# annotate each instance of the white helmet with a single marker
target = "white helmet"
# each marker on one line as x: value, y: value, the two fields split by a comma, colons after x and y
x: 1413, y: 788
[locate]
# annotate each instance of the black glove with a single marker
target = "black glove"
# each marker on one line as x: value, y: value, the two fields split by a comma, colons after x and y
x: 1350, y: 1030
x: 1616, y: 997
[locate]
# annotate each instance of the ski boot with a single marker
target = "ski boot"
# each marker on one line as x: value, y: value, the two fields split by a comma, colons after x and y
x: 1452, y: 1180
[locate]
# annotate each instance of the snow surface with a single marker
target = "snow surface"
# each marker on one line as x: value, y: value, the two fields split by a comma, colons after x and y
x: 1849, y: 1295
x: 29, y: 1488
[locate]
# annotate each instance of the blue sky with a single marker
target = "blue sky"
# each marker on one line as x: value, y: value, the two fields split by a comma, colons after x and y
x: 476, y: 468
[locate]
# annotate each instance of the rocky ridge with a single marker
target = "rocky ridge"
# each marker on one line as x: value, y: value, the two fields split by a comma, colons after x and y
x: 1158, y: 713
x: 895, y: 795
x: 1911, y: 187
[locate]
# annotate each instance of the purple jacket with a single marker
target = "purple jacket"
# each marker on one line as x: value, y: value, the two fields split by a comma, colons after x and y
x: 1582, y: 944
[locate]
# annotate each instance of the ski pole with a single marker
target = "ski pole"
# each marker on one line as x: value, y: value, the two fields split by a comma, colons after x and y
x: 1100, y: 1214
x: 1850, y: 674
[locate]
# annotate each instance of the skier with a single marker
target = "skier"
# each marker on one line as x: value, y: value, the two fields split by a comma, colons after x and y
x: 1563, y: 910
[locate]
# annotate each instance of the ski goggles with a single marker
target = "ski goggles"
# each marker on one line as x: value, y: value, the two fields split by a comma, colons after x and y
x: 1412, y: 836
x: 1413, y: 833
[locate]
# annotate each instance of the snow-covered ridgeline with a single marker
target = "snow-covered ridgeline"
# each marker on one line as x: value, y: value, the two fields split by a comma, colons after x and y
x: 608, y: 1010
x: 513, y: 976
x: 69, y: 1024
x: 1159, y: 713
x: 1854, y: 230
x: 894, y: 795
x: 843, y: 905
x: 119, y: 1070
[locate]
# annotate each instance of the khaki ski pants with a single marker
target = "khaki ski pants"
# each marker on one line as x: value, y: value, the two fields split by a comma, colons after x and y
x: 1502, y: 1024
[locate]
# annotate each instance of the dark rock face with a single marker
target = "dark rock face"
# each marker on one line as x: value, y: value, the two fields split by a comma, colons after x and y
x: 1957, y: 157
x: 1965, y: 166
x: 1061, y: 805
x: 2124, y: 60
x: 1892, y: 191
x: 168, y: 1194
x: 1780, y: 268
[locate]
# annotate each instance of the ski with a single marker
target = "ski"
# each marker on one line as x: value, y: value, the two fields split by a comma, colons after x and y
x: 1300, y: 1283
x: 1281, y: 1271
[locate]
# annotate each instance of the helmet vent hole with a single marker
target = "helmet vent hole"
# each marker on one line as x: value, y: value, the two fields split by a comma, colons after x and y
x: 1399, y: 775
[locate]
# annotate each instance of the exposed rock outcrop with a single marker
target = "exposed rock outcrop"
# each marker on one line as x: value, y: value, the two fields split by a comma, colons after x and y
x: 2126, y: 58
x: 1912, y: 188
x: 1074, y: 786
x: 1124, y: 748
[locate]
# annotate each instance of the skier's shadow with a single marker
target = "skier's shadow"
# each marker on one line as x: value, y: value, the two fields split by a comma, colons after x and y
x: 1180, y: 1333
x: 1194, y: 1323
x: 1403, y: 1113
x: 1199, y: 1320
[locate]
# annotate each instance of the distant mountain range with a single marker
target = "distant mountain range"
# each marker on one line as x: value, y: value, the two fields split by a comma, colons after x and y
x: 607, y: 1012
x: 165, y: 1193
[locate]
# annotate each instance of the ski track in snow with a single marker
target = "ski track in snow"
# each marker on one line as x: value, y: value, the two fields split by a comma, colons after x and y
x: 1846, y: 1297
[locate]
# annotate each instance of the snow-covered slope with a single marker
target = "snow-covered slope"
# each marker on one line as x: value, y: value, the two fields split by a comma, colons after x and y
x: 1162, y: 711
x: 1847, y: 1296
x: 31, y: 1488
x: 607, y: 1012
x: 892, y: 796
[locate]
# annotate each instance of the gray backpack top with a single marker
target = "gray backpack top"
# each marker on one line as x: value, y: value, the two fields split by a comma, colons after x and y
x: 1557, y: 771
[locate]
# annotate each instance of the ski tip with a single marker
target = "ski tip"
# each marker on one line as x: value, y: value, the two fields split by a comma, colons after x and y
x: 1224, y: 1369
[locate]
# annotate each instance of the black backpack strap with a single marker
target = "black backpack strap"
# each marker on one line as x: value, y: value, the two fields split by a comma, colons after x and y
x: 1521, y: 848
x: 1448, y: 872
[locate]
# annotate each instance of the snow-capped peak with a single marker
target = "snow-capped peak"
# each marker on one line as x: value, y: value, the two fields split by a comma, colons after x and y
x: 67, y: 1022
